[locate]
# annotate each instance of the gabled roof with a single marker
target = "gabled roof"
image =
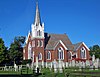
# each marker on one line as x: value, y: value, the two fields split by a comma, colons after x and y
x: 70, y: 47
x: 53, y: 39
x: 61, y: 44
x: 77, y: 45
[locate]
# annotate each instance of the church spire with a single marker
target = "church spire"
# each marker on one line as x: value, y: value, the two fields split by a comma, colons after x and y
x: 37, y: 26
x: 37, y: 15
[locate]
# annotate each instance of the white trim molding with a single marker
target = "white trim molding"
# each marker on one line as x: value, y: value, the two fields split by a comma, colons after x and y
x: 62, y: 45
x: 83, y: 50
x: 60, y: 56
x: 84, y: 45
x: 49, y: 55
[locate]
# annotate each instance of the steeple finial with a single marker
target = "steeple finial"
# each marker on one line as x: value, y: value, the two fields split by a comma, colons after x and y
x: 37, y: 15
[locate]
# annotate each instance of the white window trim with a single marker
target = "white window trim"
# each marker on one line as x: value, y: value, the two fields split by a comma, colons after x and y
x: 62, y: 45
x: 39, y: 33
x: 63, y: 53
x: 41, y: 43
x: 84, y: 45
x: 50, y: 55
x: 85, y: 52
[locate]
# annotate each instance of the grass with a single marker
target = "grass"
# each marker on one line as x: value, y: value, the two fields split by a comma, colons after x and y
x: 9, y: 72
x: 84, y: 72
x: 45, y: 72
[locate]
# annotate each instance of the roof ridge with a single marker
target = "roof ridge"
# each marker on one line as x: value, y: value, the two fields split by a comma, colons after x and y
x: 78, y: 43
x: 55, y: 34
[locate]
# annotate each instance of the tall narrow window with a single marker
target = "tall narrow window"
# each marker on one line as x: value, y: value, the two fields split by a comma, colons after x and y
x: 60, y: 53
x: 48, y: 55
x: 33, y: 43
x: 38, y: 43
x: 69, y: 55
x: 40, y: 56
x: 41, y: 43
x: 29, y: 51
x: 39, y: 33
x: 83, y: 53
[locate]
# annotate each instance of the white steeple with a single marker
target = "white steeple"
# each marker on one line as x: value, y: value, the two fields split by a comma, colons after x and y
x: 37, y: 16
x: 37, y: 26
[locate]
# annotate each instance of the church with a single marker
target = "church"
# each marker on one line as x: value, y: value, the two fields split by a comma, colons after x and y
x: 45, y: 47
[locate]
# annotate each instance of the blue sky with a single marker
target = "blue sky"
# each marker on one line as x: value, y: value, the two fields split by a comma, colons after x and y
x: 79, y: 19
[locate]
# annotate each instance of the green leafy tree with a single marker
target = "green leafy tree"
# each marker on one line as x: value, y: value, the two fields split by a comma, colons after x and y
x: 3, y: 52
x: 95, y: 49
x: 16, y: 49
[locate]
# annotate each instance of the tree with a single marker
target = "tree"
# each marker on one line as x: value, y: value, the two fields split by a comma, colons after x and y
x: 95, y: 49
x: 16, y: 49
x: 3, y: 52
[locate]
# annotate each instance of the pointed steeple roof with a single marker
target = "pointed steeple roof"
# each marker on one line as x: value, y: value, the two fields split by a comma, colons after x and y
x: 37, y: 16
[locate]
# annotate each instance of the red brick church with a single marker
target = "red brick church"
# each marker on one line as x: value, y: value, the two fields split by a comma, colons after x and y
x: 49, y: 47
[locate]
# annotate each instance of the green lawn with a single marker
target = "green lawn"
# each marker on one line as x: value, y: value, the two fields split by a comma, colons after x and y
x: 9, y: 72
x: 45, y: 72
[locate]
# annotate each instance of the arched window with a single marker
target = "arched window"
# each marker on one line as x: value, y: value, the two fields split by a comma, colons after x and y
x: 83, y: 53
x: 39, y: 33
x: 41, y: 43
x: 38, y: 43
x: 40, y: 56
x: 69, y: 55
x: 60, y: 53
x: 49, y: 55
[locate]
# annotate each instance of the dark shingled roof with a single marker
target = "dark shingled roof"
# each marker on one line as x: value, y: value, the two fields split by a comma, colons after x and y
x: 76, y: 45
x: 53, y: 39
